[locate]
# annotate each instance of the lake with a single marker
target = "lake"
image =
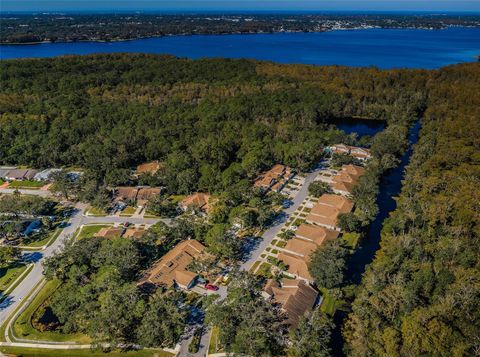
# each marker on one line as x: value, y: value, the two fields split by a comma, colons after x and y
x: 384, y: 48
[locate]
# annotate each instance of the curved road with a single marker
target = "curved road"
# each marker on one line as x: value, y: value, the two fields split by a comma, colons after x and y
x: 77, y: 219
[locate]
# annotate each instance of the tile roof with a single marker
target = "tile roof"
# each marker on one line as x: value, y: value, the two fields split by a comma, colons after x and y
x: 197, y: 200
x: 315, y: 234
x: 295, y: 297
x: 300, y: 247
x: 172, y: 267
x: 109, y: 232
x: 149, y: 168
x: 296, y: 265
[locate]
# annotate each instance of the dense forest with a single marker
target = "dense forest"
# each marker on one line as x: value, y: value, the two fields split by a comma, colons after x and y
x: 26, y: 28
x: 215, y: 124
x: 421, y: 295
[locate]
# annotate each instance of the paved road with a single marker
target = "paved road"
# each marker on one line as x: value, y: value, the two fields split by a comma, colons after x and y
x: 76, y: 220
x: 270, y: 233
x: 43, y: 193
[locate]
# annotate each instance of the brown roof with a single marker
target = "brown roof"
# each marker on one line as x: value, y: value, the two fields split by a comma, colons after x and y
x: 353, y: 170
x: 295, y: 296
x: 172, y: 267
x: 315, y: 234
x: 197, y: 200
x: 300, y: 247
x: 17, y: 174
x: 109, y: 232
x: 134, y: 233
x: 127, y: 193
x: 145, y: 193
x: 149, y: 168
x: 343, y: 186
x: 296, y: 265
x: 272, y: 176
x: 344, y: 205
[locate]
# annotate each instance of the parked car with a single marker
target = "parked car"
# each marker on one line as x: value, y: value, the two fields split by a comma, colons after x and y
x: 211, y: 287
x: 126, y: 224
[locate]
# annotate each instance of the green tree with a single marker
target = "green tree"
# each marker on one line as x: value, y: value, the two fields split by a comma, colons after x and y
x: 327, y: 264
x: 318, y: 188
x: 311, y: 338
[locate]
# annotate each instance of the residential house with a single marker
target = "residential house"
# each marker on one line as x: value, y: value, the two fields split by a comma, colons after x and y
x: 355, y: 151
x: 20, y: 174
x: 171, y: 269
x: 315, y: 234
x: 136, y: 195
x: 45, y: 175
x: 300, y: 247
x: 198, y: 201
x: 148, y: 168
x: 295, y: 297
x: 110, y: 232
x: 346, y: 179
x: 297, y: 266
x: 275, y: 179
x: 327, y: 210
x: 4, y: 170
x: 134, y: 233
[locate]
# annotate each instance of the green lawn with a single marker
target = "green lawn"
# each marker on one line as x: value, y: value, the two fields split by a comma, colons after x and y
x: 32, y: 185
x: 48, y: 240
x: 329, y: 303
x: 176, y: 198
x: 23, y: 327
x: 96, y: 212
x: 8, y: 275
x: 88, y: 231
x: 281, y: 244
x: 254, y: 266
x: 128, y: 211
x: 214, y: 343
x: 42, y: 352
x: 351, y: 239
x: 265, y: 270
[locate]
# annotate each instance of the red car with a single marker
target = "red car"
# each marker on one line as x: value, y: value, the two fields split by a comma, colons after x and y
x: 211, y: 287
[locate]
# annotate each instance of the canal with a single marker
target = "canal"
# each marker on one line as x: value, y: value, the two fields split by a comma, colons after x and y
x: 390, y: 187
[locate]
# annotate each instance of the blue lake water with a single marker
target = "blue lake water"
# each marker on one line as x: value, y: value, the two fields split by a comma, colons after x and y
x: 392, y: 48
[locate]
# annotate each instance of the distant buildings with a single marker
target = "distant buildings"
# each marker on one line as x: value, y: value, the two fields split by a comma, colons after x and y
x: 274, y: 179
x: 138, y: 196
x: 198, y: 201
x: 20, y: 174
x: 346, y: 179
x: 116, y: 232
x: 148, y: 168
x: 355, y: 151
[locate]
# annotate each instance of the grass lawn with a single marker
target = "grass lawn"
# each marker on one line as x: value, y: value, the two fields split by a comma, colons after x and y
x: 9, y: 274
x: 42, y: 352
x: 274, y: 242
x: 254, y: 266
x: 32, y: 185
x: 329, y: 303
x: 48, y: 240
x: 23, y: 327
x: 351, y: 239
x: 1, y: 182
x: 265, y: 270
x: 281, y: 244
x: 176, y: 198
x: 88, y: 231
x: 96, y: 212
x: 213, y: 347
x: 298, y: 222
x: 128, y: 211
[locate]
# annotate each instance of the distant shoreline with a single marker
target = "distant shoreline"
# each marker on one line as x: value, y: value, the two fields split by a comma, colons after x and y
x: 223, y: 34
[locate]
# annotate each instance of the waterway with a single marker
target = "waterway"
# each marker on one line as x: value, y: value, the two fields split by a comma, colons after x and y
x: 390, y: 187
x: 384, y: 48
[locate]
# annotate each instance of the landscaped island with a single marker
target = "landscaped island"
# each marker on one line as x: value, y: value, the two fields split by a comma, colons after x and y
x: 223, y: 202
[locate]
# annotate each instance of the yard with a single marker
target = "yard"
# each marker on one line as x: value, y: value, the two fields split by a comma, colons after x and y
x: 329, y: 303
x: 23, y: 327
x: 88, y: 231
x: 47, y: 240
x: 214, y: 343
x: 265, y: 270
x: 351, y: 239
x: 8, y: 277
x: 128, y: 211
x: 96, y: 212
x: 28, y: 185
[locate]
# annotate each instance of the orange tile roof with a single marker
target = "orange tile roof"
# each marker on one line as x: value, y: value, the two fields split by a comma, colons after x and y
x: 134, y: 233
x: 295, y: 297
x: 316, y: 234
x: 172, y: 267
x: 296, y: 265
x: 197, y: 200
x: 109, y: 232
x: 149, y: 167
x: 344, y: 205
x: 300, y: 247
x: 127, y: 193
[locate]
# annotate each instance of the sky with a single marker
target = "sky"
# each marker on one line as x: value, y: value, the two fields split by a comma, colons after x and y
x: 240, y: 5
